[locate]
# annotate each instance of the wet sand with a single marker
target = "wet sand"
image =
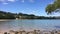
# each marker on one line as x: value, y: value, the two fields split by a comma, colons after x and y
x: 4, y: 20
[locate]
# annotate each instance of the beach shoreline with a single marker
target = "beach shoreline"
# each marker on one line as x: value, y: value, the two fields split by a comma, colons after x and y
x: 6, y: 19
x: 3, y: 20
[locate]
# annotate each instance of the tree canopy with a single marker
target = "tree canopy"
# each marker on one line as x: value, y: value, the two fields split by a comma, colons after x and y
x: 52, y: 7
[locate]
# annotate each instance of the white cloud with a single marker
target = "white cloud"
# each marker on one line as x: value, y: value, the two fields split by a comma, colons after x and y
x: 6, y: 1
x: 2, y: 0
x: 12, y: 0
x: 22, y: 1
x: 9, y: 1
x: 32, y: 1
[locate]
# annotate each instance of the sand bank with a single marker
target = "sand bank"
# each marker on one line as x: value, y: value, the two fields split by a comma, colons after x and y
x: 5, y: 19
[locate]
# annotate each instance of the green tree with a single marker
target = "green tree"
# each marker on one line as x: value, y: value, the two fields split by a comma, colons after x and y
x: 6, y: 15
x: 52, y: 7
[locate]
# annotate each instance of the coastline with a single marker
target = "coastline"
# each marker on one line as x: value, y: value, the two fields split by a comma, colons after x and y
x: 26, y: 19
x: 6, y: 19
x: 3, y: 20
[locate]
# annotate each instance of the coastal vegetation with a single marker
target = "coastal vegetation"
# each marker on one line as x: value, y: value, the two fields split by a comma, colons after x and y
x: 8, y: 15
x: 54, y: 7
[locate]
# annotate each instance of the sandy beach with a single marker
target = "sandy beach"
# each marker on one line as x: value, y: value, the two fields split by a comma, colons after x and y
x: 6, y: 19
x: 3, y: 20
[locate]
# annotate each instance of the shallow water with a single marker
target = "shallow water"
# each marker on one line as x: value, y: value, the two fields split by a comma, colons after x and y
x: 29, y: 24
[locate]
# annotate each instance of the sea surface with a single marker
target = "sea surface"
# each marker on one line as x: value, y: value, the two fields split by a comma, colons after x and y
x: 26, y: 24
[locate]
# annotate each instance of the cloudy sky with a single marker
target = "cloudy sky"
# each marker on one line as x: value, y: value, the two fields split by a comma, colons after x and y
x: 36, y: 7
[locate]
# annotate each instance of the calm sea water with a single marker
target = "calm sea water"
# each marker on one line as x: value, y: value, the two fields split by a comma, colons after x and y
x: 29, y: 24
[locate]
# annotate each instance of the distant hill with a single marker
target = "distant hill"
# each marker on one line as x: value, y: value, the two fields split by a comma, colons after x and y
x: 8, y: 15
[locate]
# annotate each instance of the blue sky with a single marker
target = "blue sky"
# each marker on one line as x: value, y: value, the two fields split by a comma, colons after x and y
x: 36, y: 7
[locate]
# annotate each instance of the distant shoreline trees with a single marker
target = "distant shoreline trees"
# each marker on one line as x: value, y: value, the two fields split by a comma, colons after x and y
x: 8, y: 15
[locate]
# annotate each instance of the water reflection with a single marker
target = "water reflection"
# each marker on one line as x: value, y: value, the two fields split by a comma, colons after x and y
x: 28, y: 24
